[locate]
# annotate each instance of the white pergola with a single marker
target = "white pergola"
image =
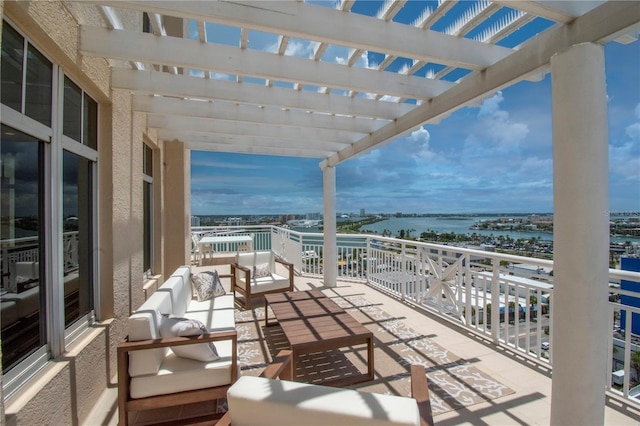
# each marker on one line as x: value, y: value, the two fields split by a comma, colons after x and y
x: 275, y: 103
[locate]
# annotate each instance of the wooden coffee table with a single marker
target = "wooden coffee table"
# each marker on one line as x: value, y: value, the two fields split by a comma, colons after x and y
x: 312, y: 323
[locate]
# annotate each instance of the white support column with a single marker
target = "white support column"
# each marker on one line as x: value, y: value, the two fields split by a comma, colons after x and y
x: 581, y: 235
x: 330, y: 253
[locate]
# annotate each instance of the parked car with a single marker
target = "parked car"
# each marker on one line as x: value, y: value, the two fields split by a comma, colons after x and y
x: 544, y: 346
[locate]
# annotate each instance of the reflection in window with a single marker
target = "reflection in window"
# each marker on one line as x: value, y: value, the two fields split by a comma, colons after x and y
x: 147, y: 190
x: 72, y: 110
x: 77, y: 245
x: 38, y: 94
x: 11, y: 67
x: 90, y: 129
x: 22, y: 293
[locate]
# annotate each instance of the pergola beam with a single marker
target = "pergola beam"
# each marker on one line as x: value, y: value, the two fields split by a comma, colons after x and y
x: 316, y: 23
x: 248, y: 113
x: 137, y: 46
x: 559, y: 11
x: 604, y: 23
x: 179, y: 123
x: 256, y: 150
x: 151, y: 82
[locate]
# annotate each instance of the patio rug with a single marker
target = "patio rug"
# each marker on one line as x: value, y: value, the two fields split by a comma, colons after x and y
x: 453, y: 382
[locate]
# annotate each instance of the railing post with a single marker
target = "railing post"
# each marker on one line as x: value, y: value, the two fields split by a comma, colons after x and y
x: 403, y: 265
x: 495, y: 301
x: 468, y: 311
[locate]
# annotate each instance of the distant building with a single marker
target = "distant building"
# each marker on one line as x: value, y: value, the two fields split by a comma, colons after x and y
x: 195, y: 221
x: 362, y: 214
x: 630, y: 264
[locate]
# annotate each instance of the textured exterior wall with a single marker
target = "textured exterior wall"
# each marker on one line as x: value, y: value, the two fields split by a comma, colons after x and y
x: 126, y: 210
x: 177, y: 210
x: 50, y: 404
x: 69, y: 386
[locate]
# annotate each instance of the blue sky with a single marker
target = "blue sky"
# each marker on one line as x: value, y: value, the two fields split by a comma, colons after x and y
x: 492, y: 158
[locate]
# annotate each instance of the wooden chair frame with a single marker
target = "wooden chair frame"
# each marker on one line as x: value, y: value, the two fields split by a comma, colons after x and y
x: 126, y: 403
x: 237, y: 269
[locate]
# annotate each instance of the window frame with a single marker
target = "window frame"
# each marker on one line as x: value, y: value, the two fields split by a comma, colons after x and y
x: 58, y: 337
x: 148, y: 179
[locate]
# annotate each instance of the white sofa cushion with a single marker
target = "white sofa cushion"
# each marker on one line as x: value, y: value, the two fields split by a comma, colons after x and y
x: 183, y: 272
x: 144, y: 325
x: 216, y: 314
x: 257, y: 400
x: 180, y: 296
x: 177, y: 374
x: 171, y: 326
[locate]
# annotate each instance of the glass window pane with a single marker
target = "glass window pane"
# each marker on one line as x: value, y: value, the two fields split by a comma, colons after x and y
x: 146, y: 238
x: 77, y: 212
x: 90, y: 129
x: 22, y: 295
x: 38, y: 94
x: 11, y: 67
x: 147, y: 156
x: 72, y: 110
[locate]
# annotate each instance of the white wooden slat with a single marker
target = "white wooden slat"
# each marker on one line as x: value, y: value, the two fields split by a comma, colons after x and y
x: 257, y: 150
x: 266, y: 130
x: 559, y: 11
x: 133, y: 45
x: 608, y: 21
x: 254, y: 141
x: 317, y: 23
x: 152, y: 82
x: 253, y: 114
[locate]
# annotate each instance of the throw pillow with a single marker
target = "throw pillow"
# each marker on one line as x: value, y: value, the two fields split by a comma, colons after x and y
x: 261, y: 271
x: 171, y: 326
x: 218, y: 289
x: 207, y: 285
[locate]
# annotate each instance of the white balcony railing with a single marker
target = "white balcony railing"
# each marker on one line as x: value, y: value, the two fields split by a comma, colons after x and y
x: 461, y: 285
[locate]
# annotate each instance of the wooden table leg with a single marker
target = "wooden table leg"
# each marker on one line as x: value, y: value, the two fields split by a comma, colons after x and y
x: 370, y: 363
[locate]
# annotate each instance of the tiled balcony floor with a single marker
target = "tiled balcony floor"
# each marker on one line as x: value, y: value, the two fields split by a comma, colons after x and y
x: 528, y: 405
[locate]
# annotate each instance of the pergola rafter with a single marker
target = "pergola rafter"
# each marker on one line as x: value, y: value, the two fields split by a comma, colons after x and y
x: 288, y: 104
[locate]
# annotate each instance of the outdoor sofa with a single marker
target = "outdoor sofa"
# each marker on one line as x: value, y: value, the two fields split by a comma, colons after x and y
x: 150, y: 372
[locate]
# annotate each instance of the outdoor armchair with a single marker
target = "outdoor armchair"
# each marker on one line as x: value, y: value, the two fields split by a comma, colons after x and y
x: 254, y: 274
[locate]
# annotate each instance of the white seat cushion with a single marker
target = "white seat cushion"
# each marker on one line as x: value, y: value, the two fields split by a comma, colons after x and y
x: 216, y: 314
x: 264, y: 284
x: 178, y: 374
x: 257, y: 400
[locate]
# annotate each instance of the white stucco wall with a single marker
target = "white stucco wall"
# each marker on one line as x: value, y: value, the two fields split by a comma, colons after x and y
x: 68, y: 388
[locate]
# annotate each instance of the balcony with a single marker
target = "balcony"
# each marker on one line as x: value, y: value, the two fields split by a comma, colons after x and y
x: 444, y: 294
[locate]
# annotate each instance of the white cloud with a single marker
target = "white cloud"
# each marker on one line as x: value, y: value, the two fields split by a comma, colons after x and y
x: 624, y: 159
x: 633, y: 130
x: 299, y: 49
x: 496, y: 125
x: 419, y: 141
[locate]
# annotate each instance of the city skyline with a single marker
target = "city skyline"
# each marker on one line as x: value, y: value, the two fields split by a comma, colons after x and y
x: 496, y: 157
